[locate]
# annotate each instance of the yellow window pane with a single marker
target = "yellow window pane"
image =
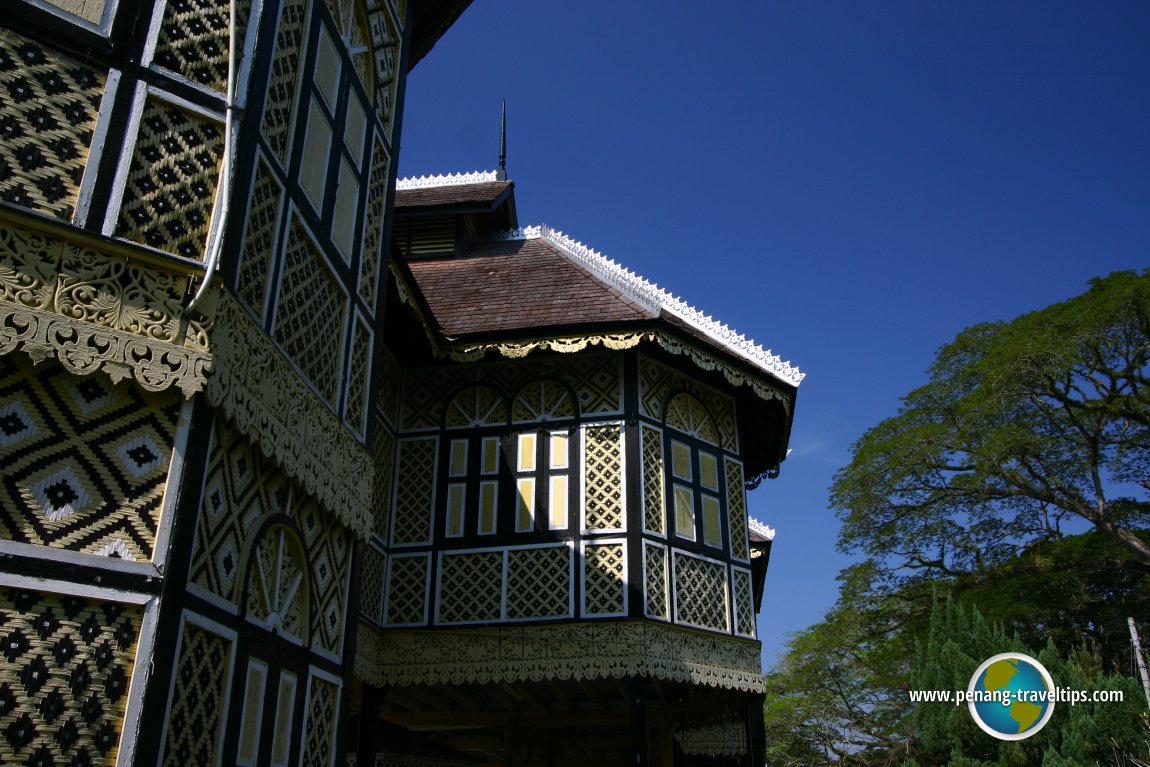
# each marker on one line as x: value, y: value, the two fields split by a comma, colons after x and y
x: 355, y: 128
x: 684, y: 512
x: 487, y: 502
x: 285, y: 707
x: 327, y: 66
x: 458, y: 467
x: 680, y: 460
x: 252, y: 716
x: 343, y: 226
x: 559, y: 450
x: 712, y: 532
x: 526, y: 459
x: 525, y: 514
x: 709, y: 471
x: 456, y: 496
x: 313, y: 166
x: 557, y: 519
x: 490, y: 455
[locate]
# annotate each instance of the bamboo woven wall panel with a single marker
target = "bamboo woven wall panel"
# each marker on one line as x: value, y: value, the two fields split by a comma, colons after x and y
x: 654, y: 517
x: 194, y: 42
x: 407, y: 590
x: 259, y: 241
x: 322, y: 710
x: 372, y: 584
x: 67, y: 665
x: 604, y: 585
x: 282, y: 83
x: 470, y: 587
x: 655, y: 579
x: 383, y: 457
x: 737, y: 510
x: 199, y: 686
x: 539, y: 582
x: 700, y: 592
x: 603, y: 477
x: 48, y: 109
x: 744, y: 604
x: 355, y: 410
x: 310, y: 314
x: 372, y: 256
x: 171, y: 187
x: 414, y: 493
x: 85, y: 461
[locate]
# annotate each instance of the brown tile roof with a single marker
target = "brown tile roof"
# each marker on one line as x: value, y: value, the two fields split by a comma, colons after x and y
x: 515, y: 285
x: 485, y: 192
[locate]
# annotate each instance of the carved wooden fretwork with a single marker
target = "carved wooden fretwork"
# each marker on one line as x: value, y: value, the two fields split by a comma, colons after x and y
x: 541, y: 653
x: 258, y: 389
x: 93, y: 310
x: 617, y: 341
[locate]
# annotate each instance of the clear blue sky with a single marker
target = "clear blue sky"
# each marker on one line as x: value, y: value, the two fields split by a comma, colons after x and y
x: 849, y: 183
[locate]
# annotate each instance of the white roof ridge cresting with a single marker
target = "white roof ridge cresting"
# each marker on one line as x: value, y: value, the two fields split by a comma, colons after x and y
x: 654, y: 298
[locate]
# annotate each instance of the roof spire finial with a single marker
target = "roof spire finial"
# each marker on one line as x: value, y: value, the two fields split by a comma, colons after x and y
x: 501, y: 174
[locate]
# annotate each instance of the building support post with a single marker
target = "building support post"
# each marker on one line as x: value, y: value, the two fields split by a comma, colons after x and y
x: 637, y: 698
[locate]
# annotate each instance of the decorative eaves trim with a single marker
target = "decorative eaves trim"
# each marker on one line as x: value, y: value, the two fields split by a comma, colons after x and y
x: 655, y: 299
x: 450, y: 179
x: 756, y: 526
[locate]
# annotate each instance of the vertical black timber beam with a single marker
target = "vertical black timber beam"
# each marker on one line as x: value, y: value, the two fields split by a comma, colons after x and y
x: 179, y: 556
x: 756, y: 730
x: 368, y: 718
x: 637, y: 699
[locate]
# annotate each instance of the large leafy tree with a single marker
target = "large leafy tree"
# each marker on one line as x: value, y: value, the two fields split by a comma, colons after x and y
x: 1023, y: 425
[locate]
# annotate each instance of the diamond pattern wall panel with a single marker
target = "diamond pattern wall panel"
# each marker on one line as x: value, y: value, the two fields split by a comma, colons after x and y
x: 604, y: 581
x: 654, y: 516
x: 310, y: 313
x: 64, y: 674
x: 657, y: 382
x: 241, y: 487
x: 471, y: 587
x: 744, y: 604
x: 414, y: 493
x: 193, y: 40
x: 655, y: 580
x: 603, y: 477
x: 322, y: 708
x: 737, y: 510
x: 48, y: 109
x: 199, y: 686
x: 700, y: 592
x: 85, y: 462
x: 407, y: 590
x: 171, y: 186
x: 539, y: 582
x: 329, y: 547
x: 282, y: 83
x: 260, y: 240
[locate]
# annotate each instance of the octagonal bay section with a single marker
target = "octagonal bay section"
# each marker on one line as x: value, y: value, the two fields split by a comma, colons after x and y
x: 566, y: 570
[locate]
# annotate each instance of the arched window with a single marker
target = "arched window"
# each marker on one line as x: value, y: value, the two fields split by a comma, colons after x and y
x: 278, y: 587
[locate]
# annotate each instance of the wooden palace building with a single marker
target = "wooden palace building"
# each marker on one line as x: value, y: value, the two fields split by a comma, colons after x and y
x: 301, y: 465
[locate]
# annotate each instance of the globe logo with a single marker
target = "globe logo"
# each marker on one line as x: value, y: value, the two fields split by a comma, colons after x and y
x: 1011, y: 696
